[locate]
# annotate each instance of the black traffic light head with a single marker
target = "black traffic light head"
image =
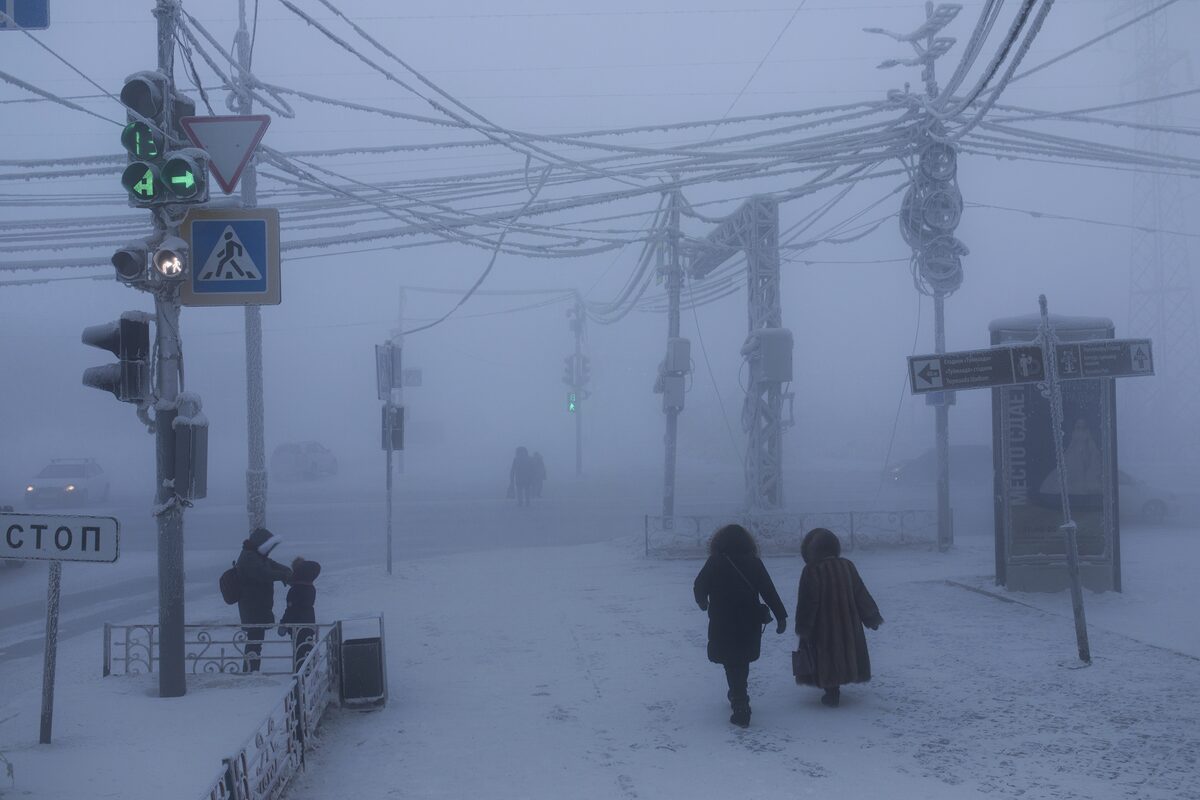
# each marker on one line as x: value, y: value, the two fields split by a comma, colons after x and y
x: 145, y: 93
x: 131, y: 263
x: 184, y: 175
x: 129, y: 339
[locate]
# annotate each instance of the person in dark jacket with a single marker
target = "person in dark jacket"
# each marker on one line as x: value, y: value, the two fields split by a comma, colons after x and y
x: 256, y: 577
x: 728, y: 588
x: 301, y: 602
x: 520, y: 476
x: 832, y: 606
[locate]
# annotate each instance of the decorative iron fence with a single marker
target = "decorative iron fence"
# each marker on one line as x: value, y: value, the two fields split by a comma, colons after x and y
x: 686, y: 536
x: 133, y: 649
x: 262, y: 768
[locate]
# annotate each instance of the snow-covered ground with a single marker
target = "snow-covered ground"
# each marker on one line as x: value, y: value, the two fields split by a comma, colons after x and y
x: 580, y: 672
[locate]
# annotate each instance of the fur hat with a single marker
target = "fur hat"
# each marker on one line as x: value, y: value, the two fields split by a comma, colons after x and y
x: 263, y: 541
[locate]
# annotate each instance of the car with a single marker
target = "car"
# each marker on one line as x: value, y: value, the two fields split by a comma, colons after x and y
x: 1139, y: 500
x: 303, y: 461
x: 67, y: 482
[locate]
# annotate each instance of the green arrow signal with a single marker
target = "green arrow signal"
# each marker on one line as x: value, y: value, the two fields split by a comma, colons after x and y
x: 145, y: 186
x: 187, y: 179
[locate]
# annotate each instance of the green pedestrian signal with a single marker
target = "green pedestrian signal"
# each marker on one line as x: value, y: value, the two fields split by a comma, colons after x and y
x: 142, y: 182
x: 572, y: 405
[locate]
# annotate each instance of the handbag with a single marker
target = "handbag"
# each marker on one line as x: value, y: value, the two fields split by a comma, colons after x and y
x: 764, y: 611
x: 803, y: 667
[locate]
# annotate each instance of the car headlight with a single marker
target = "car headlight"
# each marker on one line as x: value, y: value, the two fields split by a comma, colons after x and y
x: 29, y: 488
x: 70, y: 487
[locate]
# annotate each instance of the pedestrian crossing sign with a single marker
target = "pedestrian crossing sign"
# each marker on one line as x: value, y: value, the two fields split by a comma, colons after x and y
x: 234, y: 257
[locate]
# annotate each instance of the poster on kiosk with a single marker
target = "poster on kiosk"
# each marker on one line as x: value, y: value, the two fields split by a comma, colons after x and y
x: 1030, y: 548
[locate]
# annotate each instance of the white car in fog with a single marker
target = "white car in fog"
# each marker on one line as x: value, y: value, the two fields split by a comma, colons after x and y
x: 67, y: 482
x: 1140, y: 501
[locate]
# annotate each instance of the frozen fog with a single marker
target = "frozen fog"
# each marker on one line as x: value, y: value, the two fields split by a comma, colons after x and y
x: 530, y: 199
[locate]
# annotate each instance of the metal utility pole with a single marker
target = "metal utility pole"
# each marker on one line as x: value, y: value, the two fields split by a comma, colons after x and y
x: 168, y: 510
x: 398, y: 393
x: 580, y: 380
x: 1162, y: 302
x: 256, y: 459
x: 674, y: 278
x: 931, y: 211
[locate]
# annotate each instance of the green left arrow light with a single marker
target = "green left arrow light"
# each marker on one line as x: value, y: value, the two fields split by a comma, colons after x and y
x: 142, y: 181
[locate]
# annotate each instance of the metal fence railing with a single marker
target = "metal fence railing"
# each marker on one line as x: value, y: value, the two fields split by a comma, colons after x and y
x: 134, y: 649
x: 264, y: 765
x: 778, y: 534
x: 274, y: 753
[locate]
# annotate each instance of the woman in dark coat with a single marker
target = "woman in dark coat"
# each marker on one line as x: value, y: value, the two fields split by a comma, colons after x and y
x: 832, y: 606
x: 728, y: 588
x: 256, y: 580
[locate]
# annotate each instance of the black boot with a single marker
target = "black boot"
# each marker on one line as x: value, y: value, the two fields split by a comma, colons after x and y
x: 741, y: 713
x: 832, y: 697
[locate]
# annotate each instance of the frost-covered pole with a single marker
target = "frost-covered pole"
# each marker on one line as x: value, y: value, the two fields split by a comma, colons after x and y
x: 169, y: 512
x: 256, y: 459
x: 53, y: 593
x: 398, y: 392
x: 1054, y: 388
x: 945, y: 530
x: 674, y: 287
x: 578, y: 370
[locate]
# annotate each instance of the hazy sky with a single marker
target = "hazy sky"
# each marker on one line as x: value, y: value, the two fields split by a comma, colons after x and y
x: 493, y: 381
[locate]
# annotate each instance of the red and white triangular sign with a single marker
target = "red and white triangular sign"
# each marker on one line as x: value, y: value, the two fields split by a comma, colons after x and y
x: 229, y: 142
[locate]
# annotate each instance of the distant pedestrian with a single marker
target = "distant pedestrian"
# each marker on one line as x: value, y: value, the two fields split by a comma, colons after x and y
x: 256, y: 577
x: 832, y: 606
x: 301, y: 608
x: 520, y: 477
x: 539, y: 475
x: 728, y: 588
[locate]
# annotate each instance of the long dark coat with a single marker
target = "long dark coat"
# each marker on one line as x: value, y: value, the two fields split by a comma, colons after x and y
x: 257, y: 575
x: 734, y: 622
x: 832, y: 606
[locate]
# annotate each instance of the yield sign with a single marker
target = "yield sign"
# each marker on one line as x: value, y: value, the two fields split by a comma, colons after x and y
x: 229, y: 141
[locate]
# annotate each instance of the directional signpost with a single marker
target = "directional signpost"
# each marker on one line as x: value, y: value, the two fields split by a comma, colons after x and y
x: 229, y: 141
x: 234, y: 257
x: 1022, y: 363
x: 1016, y: 364
x: 56, y: 538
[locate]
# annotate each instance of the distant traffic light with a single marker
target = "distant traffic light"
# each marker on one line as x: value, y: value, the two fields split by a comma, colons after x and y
x: 585, y: 370
x: 161, y: 168
x: 129, y: 340
x: 569, y: 370
x: 572, y: 403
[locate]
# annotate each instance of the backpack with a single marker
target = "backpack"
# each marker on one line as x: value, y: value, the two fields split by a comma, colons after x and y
x: 231, y: 588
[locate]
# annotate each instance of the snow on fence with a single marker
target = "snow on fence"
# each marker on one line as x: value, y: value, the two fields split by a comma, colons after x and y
x: 779, y: 534
x: 133, y: 649
x: 264, y: 765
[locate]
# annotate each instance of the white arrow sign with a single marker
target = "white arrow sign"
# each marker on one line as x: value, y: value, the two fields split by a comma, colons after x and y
x: 229, y: 141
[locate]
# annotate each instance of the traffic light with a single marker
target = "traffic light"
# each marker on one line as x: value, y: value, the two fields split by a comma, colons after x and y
x: 129, y: 340
x: 585, y: 370
x: 171, y: 258
x: 131, y: 262
x: 569, y: 370
x: 572, y: 403
x: 161, y: 168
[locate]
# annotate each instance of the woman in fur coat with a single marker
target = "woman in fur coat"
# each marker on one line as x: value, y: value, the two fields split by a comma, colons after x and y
x: 832, y: 607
